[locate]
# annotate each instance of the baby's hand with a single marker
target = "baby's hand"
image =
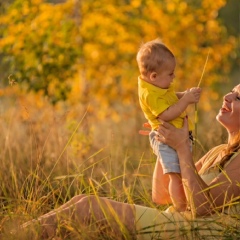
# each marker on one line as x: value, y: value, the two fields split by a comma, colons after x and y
x: 196, y: 89
x: 193, y: 95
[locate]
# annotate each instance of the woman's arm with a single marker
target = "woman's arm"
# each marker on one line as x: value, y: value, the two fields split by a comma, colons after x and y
x: 194, y: 187
x: 202, y: 198
x: 227, y: 184
x: 222, y: 190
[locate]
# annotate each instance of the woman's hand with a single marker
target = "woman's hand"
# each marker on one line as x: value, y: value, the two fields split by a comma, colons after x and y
x: 172, y: 136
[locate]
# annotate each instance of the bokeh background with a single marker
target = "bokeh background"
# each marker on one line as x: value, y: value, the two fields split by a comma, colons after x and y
x: 69, y: 108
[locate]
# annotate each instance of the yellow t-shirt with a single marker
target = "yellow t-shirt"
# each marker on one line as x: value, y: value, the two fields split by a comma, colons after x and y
x: 154, y: 100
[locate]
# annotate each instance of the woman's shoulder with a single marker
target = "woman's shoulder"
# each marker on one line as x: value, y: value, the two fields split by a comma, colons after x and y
x: 208, y: 159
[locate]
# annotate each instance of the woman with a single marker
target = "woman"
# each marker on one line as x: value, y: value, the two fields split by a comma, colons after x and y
x: 212, y: 188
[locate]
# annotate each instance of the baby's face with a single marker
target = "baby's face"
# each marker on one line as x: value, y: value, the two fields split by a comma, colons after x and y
x: 164, y: 77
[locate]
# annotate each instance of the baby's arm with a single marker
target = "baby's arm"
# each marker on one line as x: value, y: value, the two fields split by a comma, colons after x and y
x: 189, y: 97
x: 180, y: 94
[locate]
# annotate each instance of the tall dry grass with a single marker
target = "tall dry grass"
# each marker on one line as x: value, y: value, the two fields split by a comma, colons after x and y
x: 50, y: 154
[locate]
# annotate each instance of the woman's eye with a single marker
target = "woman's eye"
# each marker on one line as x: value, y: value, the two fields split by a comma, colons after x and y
x: 238, y: 97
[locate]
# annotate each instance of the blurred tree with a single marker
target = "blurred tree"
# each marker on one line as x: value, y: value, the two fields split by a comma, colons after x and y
x: 85, y: 50
x: 41, y: 45
x: 229, y: 16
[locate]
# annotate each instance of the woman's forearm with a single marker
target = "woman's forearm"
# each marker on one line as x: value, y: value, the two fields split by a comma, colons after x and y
x: 195, y: 188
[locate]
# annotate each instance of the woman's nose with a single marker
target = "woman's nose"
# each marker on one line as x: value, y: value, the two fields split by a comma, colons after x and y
x: 228, y: 97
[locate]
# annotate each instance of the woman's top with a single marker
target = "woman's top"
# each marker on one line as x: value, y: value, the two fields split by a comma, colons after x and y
x: 208, y: 173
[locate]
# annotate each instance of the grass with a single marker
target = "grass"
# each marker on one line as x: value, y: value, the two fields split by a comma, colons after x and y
x: 196, y: 106
x: 50, y: 155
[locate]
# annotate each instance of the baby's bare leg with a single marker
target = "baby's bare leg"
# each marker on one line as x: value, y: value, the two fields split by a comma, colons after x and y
x: 160, y: 185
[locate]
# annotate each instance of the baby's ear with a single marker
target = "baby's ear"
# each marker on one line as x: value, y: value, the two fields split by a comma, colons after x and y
x: 153, y: 76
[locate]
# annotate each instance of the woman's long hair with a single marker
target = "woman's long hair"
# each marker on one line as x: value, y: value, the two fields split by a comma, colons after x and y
x: 231, y: 150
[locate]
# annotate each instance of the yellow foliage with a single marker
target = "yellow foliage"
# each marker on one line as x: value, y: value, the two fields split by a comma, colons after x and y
x: 102, y: 39
x: 136, y: 3
x: 206, y: 4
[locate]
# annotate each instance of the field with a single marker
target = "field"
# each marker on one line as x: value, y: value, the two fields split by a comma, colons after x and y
x: 69, y: 111
x: 52, y: 153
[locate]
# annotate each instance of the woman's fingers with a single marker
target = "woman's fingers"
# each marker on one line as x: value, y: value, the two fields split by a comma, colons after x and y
x: 164, y: 124
x: 146, y: 125
x: 171, y: 135
x: 160, y: 138
x: 144, y: 132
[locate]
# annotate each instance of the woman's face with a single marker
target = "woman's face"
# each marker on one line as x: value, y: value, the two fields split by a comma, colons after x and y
x: 229, y: 114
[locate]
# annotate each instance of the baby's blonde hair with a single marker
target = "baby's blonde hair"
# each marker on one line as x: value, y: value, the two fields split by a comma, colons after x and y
x: 152, y: 56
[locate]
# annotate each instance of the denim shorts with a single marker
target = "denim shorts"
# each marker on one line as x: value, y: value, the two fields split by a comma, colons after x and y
x: 167, y: 156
